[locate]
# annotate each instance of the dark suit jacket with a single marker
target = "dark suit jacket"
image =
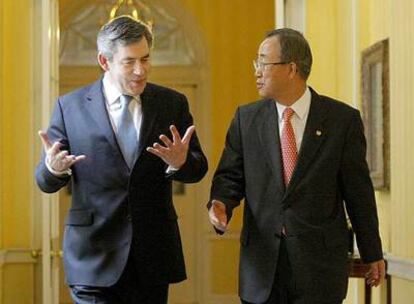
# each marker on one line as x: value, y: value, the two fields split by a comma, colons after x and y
x: 116, y: 210
x: 331, y: 169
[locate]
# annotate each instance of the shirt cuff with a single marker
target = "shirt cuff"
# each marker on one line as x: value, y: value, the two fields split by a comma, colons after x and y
x: 57, y: 173
x: 171, y: 169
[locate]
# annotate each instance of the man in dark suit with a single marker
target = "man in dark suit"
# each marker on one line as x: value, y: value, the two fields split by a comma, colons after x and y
x: 295, y: 157
x: 122, y: 241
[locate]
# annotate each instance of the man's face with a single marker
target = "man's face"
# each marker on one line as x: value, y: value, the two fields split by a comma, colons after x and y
x: 129, y: 67
x: 271, y: 80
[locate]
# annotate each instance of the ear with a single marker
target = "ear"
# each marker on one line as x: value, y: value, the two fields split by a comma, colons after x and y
x: 103, y: 62
x: 293, y: 70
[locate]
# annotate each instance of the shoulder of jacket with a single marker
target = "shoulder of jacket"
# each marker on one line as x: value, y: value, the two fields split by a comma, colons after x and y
x: 78, y: 94
x: 158, y: 89
x: 255, y: 106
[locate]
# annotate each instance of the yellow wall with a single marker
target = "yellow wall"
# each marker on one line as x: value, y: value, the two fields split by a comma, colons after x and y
x: 402, y: 135
x: 328, y: 30
x: 402, y: 139
x: 374, y: 25
x: 15, y: 127
x: 321, y: 30
x: 16, y: 123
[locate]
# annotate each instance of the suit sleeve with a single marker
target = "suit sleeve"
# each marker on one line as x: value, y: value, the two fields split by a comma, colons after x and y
x: 359, y: 192
x: 196, y: 165
x: 46, y: 181
x: 228, y: 184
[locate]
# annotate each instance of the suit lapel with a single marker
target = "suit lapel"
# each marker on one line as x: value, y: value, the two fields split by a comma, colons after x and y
x: 270, y: 140
x: 313, y: 136
x: 95, y: 104
x: 149, y: 115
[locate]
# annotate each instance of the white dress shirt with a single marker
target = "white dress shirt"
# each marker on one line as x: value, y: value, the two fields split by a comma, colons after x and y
x: 113, y: 105
x: 298, y: 120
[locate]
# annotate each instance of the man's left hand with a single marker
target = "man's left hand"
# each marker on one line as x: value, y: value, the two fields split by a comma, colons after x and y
x: 375, y: 276
x: 174, y: 153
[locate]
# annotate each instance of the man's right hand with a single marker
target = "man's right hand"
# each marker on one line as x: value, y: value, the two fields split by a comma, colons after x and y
x: 59, y: 161
x: 217, y: 215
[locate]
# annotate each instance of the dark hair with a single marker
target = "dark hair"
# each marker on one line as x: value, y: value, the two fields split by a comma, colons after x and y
x: 122, y: 30
x: 294, y: 48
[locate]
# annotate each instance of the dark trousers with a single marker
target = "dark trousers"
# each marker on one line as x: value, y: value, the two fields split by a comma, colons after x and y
x: 129, y: 289
x: 283, y: 289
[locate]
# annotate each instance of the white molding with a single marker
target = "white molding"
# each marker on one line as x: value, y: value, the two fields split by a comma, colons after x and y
x: 298, y: 14
x: 355, y: 295
x: 45, y: 97
x: 295, y: 15
x: 279, y: 13
x: 16, y: 256
x: 49, y: 71
x: 304, y: 16
x: 400, y: 267
x: 355, y: 52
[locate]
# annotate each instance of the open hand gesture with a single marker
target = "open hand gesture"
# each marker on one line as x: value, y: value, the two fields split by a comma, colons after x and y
x: 58, y: 160
x: 174, y: 153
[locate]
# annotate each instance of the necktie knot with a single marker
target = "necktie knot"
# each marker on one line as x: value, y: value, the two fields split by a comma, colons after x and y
x: 287, y: 114
x: 125, y: 99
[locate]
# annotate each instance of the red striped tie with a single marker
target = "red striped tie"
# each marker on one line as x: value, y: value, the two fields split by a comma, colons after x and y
x: 288, y: 142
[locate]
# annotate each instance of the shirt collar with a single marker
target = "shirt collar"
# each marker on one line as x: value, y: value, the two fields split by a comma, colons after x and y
x: 300, y: 106
x: 112, y: 93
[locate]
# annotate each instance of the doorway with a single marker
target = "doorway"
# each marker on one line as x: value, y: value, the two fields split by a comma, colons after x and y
x: 73, y: 65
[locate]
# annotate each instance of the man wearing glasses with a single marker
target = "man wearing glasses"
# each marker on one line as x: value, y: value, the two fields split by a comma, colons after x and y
x: 298, y: 159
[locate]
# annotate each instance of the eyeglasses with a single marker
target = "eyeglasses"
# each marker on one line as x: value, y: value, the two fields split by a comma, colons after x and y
x: 260, y: 66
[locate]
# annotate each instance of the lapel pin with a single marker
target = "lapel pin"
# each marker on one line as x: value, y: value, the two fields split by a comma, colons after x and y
x: 318, y: 132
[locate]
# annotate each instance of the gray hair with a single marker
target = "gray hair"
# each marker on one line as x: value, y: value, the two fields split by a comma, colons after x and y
x: 122, y: 30
x: 294, y: 48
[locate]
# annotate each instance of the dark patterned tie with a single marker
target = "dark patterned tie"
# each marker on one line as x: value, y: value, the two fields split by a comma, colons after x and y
x: 127, y: 135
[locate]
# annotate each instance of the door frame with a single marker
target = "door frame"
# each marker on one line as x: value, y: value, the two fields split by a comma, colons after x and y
x: 45, y: 90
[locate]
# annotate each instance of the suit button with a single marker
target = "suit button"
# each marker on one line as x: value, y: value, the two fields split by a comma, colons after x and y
x: 128, y: 217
